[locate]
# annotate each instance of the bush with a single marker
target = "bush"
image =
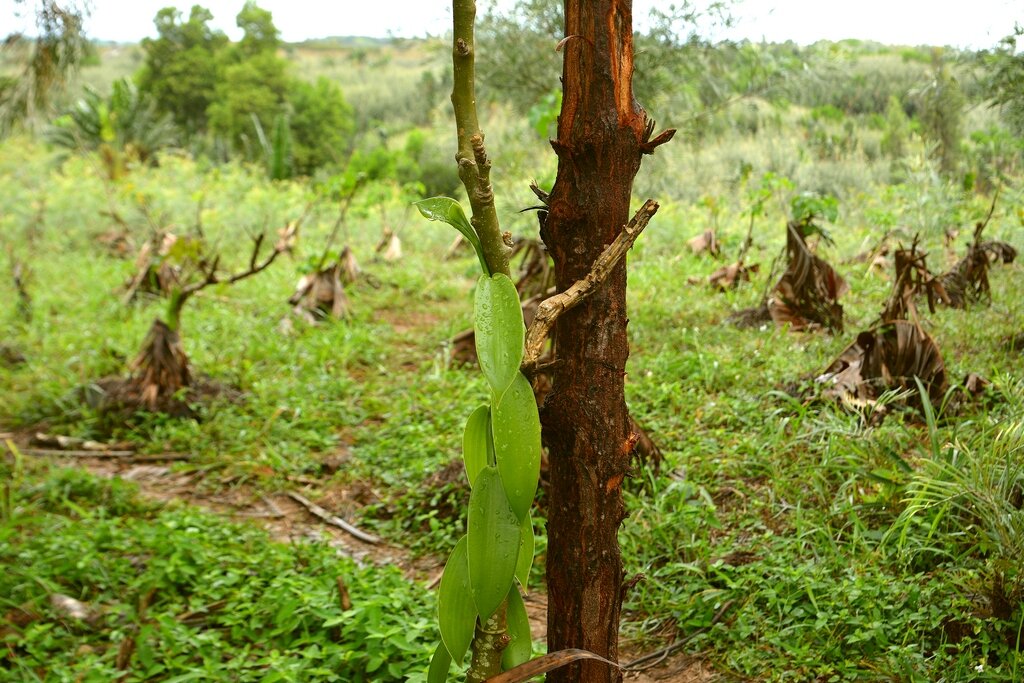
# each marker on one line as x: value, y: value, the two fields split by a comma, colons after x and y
x: 322, y: 124
x: 254, y: 86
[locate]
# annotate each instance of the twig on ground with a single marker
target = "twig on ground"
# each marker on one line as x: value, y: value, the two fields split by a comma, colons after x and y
x: 272, y: 506
x: 77, y: 454
x: 125, y: 456
x: 333, y: 520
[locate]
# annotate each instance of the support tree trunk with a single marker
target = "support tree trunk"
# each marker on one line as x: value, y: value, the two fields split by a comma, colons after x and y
x: 602, y: 134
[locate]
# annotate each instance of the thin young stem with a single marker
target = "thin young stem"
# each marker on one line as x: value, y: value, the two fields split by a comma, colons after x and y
x: 748, y: 240
x: 474, y: 165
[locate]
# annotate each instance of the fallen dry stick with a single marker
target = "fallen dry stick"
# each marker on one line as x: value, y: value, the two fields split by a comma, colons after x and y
x: 327, y: 517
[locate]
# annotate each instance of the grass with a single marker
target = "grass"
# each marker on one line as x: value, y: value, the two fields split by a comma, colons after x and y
x: 794, y: 541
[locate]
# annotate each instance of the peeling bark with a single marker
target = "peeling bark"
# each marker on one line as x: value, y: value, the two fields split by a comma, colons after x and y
x: 602, y: 133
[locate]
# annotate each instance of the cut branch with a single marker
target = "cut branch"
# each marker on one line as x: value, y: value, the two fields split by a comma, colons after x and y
x: 550, y: 309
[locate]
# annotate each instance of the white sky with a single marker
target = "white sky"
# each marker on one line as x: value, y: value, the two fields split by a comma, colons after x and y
x: 977, y: 24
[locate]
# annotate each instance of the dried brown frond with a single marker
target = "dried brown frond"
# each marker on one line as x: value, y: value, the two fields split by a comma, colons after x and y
x: 161, y: 369
x: 912, y: 279
x: 967, y: 281
x: 390, y: 247
x: 884, y: 358
x: 807, y: 294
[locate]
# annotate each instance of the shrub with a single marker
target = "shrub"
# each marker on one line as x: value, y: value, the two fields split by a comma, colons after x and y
x: 322, y: 124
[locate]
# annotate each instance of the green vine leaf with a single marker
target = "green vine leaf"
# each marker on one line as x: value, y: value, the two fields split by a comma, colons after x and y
x: 499, y: 330
x: 447, y: 210
x: 526, y: 549
x: 516, y: 428
x: 493, y: 546
x: 520, y: 647
x: 476, y: 442
x: 456, y: 610
x: 440, y: 663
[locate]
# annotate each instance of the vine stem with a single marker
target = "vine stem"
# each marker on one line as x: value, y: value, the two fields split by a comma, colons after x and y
x: 491, y: 637
x: 488, y: 642
x: 474, y: 164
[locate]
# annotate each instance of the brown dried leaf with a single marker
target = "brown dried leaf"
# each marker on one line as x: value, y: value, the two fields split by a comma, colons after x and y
x: 322, y: 294
x: 161, y: 369
x: 22, y: 616
x: 535, y: 277
x: 806, y: 296
x: 730, y: 276
x: 287, y: 237
x: 706, y: 241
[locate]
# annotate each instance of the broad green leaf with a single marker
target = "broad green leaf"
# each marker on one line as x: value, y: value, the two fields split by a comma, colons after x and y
x: 440, y: 663
x: 525, y: 561
x: 499, y: 331
x: 515, y: 425
x: 456, y: 611
x: 520, y: 648
x: 447, y: 210
x: 476, y: 442
x: 493, y: 546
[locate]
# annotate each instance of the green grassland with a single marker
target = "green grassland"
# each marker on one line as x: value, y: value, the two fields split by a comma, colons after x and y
x: 792, y: 540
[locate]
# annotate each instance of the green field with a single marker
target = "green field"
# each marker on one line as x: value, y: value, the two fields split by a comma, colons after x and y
x: 787, y: 538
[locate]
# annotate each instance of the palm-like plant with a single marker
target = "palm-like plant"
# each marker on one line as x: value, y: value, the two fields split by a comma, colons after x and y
x: 975, y: 490
x: 124, y: 127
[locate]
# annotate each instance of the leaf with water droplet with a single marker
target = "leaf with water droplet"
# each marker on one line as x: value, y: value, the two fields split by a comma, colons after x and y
x: 493, y: 546
x: 456, y: 610
x: 515, y: 425
x: 447, y: 210
x: 525, y: 561
x: 476, y: 442
x: 499, y: 331
x: 520, y: 647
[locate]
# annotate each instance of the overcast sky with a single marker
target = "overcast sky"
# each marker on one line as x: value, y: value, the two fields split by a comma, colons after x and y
x: 977, y: 24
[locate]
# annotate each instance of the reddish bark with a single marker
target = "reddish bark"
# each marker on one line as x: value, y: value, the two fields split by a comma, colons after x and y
x: 602, y: 134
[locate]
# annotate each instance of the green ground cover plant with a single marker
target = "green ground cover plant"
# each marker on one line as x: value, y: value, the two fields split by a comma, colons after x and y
x: 181, y: 595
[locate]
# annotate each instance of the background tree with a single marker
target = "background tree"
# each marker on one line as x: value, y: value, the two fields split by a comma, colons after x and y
x: 1004, y: 68
x: 43, y: 63
x: 244, y: 95
x: 255, y: 86
x: 182, y: 66
x: 941, y: 105
x: 259, y: 33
